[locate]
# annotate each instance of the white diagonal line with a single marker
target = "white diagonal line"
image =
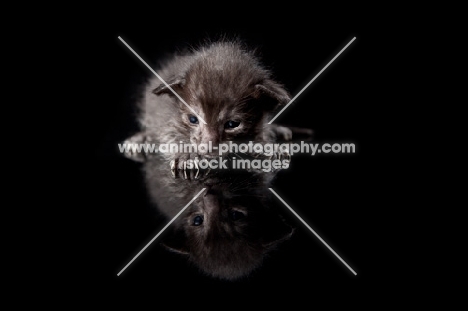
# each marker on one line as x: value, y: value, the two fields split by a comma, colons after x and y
x: 312, y: 230
x: 170, y: 222
x: 167, y: 85
x: 294, y: 98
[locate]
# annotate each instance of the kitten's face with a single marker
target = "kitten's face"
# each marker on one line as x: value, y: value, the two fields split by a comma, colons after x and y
x: 227, y: 235
x: 227, y: 119
x: 238, y: 116
x: 216, y: 216
x: 229, y: 90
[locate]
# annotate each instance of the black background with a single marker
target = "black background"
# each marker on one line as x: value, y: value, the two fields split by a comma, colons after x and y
x: 343, y: 197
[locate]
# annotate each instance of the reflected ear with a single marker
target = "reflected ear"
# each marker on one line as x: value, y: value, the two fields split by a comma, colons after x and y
x: 273, y: 94
x: 277, y: 234
x: 176, y: 84
x: 129, y: 152
x: 176, y: 242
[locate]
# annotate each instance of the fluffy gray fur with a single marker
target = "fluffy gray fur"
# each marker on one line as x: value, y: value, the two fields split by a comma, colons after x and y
x: 222, y: 82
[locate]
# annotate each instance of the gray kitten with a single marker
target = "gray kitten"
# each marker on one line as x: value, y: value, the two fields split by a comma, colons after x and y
x: 226, y: 86
x: 229, y: 229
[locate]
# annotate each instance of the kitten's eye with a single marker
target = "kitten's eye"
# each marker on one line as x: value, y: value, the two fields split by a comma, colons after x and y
x: 231, y: 124
x: 236, y: 215
x: 193, y: 119
x: 198, y: 220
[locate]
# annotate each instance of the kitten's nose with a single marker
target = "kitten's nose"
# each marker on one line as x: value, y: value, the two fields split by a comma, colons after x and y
x: 211, y: 138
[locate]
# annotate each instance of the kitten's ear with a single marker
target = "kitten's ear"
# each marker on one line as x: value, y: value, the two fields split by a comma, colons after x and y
x: 176, y: 84
x: 273, y: 91
x: 130, y: 143
x: 176, y: 242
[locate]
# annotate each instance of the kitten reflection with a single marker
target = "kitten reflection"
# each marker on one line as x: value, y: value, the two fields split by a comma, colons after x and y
x: 225, y: 234
x: 228, y: 229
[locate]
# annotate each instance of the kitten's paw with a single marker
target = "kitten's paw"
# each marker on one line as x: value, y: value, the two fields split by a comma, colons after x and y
x: 188, y: 169
x: 283, y: 133
x: 139, y: 147
x: 132, y: 151
x: 281, y: 155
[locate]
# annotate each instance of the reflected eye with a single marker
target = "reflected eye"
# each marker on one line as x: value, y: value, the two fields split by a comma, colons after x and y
x: 193, y: 119
x: 231, y: 124
x: 198, y: 220
x: 236, y: 215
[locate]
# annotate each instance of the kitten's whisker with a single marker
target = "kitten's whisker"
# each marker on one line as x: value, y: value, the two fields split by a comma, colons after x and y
x: 238, y: 155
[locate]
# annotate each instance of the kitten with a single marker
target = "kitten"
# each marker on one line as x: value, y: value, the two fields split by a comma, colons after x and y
x: 228, y: 230
x: 226, y: 86
x: 228, y: 234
